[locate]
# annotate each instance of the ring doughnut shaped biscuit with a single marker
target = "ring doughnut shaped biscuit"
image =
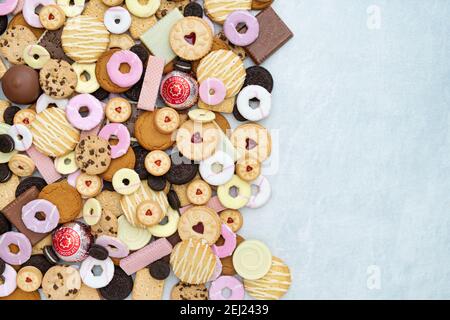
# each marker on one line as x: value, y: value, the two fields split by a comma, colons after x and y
x: 200, y: 222
x: 226, y: 66
x: 84, y: 38
x: 273, y: 285
x: 53, y: 135
x: 129, y: 203
x: 218, y: 10
x: 193, y: 261
x: 101, y: 73
x: 200, y: 34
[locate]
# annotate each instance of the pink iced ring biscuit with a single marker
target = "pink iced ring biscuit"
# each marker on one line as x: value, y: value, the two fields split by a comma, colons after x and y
x: 45, y: 165
x: 226, y: 282
x: 124, y: 79
x: 9, y: 281
x: 116, y: 248
x: 21, y: 241
x: 217, y: 270
x: 231, y: 24
x: 122, y: 133
x: 229, y: 245
x: 19, y: 7
x: 148, y: 254
x: 22, y: 137
x: 50, y: 216
x: 7, y: 6
x: 262, y: 195
x: 72, y: 178
x: 212, y: 91
x: 44, y: 101
x: 96, y: 113
x: 29, y: 11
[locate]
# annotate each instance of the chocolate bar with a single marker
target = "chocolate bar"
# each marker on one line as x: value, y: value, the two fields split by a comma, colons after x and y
x: 13, y: 212
x: 273, y: 34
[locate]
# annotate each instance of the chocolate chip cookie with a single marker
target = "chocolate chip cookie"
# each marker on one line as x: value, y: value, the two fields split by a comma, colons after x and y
x: 61, y: 283
x: 93, y: 155
x: 58, y: 79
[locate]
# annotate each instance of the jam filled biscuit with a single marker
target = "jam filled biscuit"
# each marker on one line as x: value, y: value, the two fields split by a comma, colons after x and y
x: 253, y: 140
x: 25, y: 117
x: 248, y: 169
x: 167, y: 120
x: 200, y: 222
x: 157, y: 163
x: 191, y: 38
x: 88, y: 185
x: 21, y: 165
x: 197, y: 141
x: 199, y: 192
x: 29, y: 279
x: 52, y: 17
x: 232, y: 218
x: 93, y: 155
x: 147, y: 134
x: 149, y: 213
x: 61, y: 283
x: 118, y: 110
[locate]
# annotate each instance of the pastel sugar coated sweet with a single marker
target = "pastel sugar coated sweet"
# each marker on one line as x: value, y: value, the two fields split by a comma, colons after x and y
x: 118, y: 170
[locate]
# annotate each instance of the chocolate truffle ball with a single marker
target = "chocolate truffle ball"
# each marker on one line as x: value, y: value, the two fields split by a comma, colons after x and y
x: 20, y: 84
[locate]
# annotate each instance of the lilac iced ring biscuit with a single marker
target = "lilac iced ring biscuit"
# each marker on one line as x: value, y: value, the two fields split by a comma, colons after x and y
x: 94, y: 106
x: 115, y: 247
x: 234, y: 285
x: 212, y: 91
x: 217, y: 169
x: 246, y: 110
x: 96, y: 273
x: 262, y: 195
x: 19, y: 240
x: 9, y: 284
x: 22, y: 137
x: 231, y: 24
x: 40, y: 216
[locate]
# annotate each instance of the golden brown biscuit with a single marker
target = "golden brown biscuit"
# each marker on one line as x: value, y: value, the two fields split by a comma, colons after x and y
x: 19, y: 294
x: 65, y: 198
x: 147, y: 134
x: 126, y: 161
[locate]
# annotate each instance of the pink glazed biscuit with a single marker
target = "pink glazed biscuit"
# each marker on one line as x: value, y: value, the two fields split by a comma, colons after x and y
x: 122, y: 133
x: 235, y: 286
x: 228, y: 247
x: 150, y: 87
x: 212, y: 91
x: 7, y: 7
x: 96, y: 113
x: 143, y: 257
x: 124, y: 79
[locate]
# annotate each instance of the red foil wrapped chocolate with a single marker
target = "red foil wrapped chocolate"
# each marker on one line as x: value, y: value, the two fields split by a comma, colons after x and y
x: 179, y: 90
x: 72, y: 241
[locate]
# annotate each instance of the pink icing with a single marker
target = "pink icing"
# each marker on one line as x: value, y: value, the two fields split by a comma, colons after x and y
x: 124, y: 79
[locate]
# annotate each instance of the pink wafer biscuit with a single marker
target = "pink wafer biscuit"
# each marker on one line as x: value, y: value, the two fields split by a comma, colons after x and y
x: 44, y: 165
x: 143, y: 257
x: 213, y: 203
x: 150, y: 87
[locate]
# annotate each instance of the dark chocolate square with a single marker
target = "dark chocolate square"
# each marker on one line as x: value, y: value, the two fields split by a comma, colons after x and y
x: 273, y: 34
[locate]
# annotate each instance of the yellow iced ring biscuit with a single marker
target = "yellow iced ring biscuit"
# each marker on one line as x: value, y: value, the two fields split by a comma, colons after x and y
x: 202, y: 115
x: 71, y: 8
x: 126, y: 181
x: 66, y: 164
x: 92, y: 211
x: 252, y: 259
x: 87, y: 81
x: 143, y: 10
x: 168, y: 229
x: 235, y: 193
x: 36, y: 56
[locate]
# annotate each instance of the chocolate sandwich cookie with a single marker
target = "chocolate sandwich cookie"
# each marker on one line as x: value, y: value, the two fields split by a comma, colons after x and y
x: 50, y: 255
x: 120, y: 286
x: 237, y: 115
x: 181, y: 171
x: 98, y: 252
x: 141, y: 52
x: 193, y: 9
x: 156, y: 183
x: 259, y: 76
x: 139, y: 165
x: 5, y: 173
x: 6, y: 143
x: 173, y: 200
x: 159, y: 269
x: 29, y: 182
x: 8, y: 115
x: 39, y: 261
x: 101, y: 94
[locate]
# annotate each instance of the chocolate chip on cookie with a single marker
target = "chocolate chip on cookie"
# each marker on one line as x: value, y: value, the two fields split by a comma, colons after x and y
x: 93, y: 155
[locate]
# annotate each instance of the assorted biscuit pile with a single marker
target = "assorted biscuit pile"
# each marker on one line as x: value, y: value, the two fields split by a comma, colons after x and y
x: 117, y: 163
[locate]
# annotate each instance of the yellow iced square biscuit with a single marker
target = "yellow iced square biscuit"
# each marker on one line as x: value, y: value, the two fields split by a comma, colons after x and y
x: 156, y: 39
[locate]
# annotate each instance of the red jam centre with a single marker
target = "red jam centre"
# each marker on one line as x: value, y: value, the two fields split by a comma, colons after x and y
x: 230, y: 220
x: 148, y: 212
x: 158, y: 162
x: 26, y: 121
x: 249, y: 168
x: 88, y: 183
x: 51, y: 16
x: 118, y: 109
x: 190, y: 38
x: 250, y: 144
x: 196, y: 138
x: 199, y: 228
x: 28, y: 280
x: 199, y: 192
x: 167, y: 119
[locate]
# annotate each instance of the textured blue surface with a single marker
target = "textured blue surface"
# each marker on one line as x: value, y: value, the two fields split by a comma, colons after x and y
x: 362, y: 192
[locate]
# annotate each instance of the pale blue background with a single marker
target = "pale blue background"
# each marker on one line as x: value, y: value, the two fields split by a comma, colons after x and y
x: 365, y: 150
